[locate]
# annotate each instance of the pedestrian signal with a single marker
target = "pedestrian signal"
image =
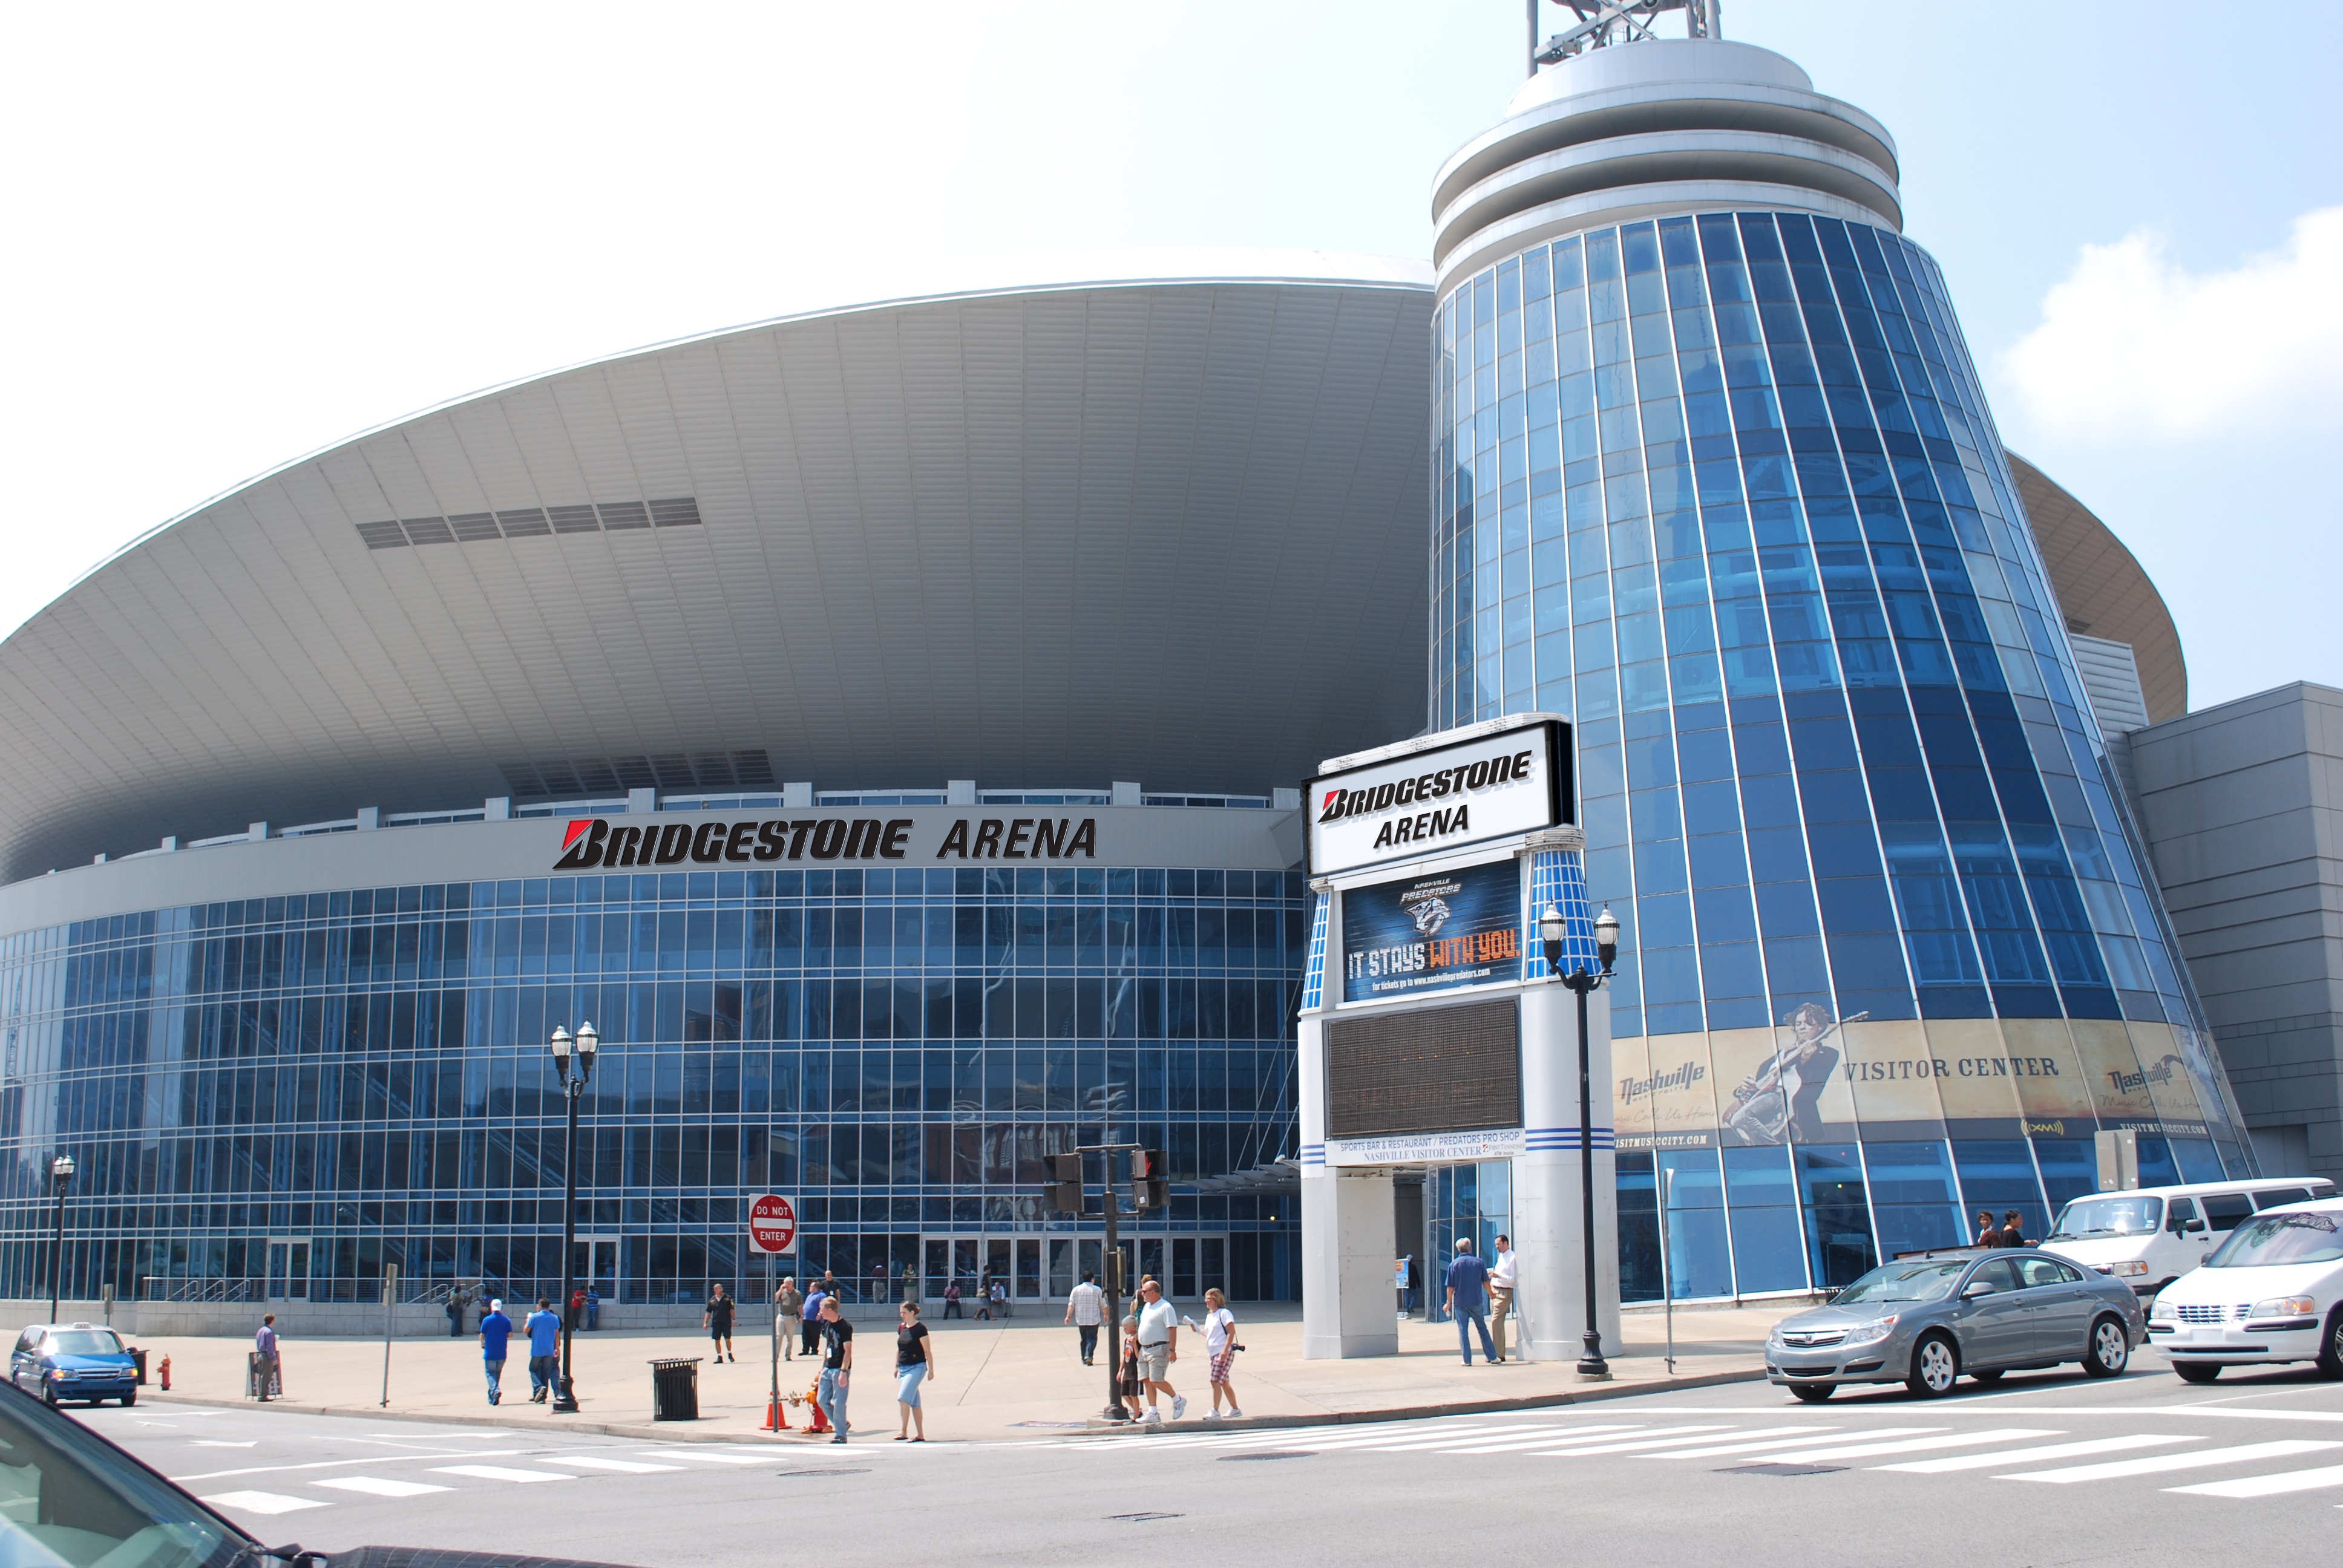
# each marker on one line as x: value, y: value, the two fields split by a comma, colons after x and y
x: 1065, y: 1192
x: 1150, y: 1186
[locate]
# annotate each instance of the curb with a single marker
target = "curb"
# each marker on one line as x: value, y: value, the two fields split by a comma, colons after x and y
x: 1419, y: 1411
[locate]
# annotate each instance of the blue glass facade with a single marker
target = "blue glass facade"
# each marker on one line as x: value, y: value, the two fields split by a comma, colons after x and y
x: 365, y: 1070
x: 1722, y: 489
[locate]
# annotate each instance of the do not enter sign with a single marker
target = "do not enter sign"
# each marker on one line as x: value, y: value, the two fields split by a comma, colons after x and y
x: 772, y: 1224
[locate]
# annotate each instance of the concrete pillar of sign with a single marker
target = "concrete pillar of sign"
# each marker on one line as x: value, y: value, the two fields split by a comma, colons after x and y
x: 1549, y: 1216
x: 1347, y: 1300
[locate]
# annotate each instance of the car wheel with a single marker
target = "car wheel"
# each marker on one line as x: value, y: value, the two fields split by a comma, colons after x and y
x: 1987, y: 1378
x: 49, y: 1394
x: 2109, y: 1351
x: 1936, y: 1367
x: 129, y: 1399
x: 2330, y: 1347
x: 2197, y: 1371
x: 1814, y: 1392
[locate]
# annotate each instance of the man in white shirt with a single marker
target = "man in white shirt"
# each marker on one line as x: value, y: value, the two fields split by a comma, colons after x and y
x: 1503, y: 1277
x: 1158, y: 1347
x: 1086, y: 1309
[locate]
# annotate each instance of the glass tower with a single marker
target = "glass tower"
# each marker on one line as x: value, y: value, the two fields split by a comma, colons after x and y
x: 1715, y: 479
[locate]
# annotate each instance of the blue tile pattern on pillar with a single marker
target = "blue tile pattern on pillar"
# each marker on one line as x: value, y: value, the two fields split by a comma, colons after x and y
x: 1559, y: 877
x: 1313, y: 972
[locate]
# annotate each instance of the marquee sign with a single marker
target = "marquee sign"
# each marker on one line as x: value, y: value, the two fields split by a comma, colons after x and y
x: 598, y: 841
x: 1429, y: 802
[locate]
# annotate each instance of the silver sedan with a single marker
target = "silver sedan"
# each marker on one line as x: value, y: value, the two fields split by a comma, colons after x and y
x: 1926, y: 1321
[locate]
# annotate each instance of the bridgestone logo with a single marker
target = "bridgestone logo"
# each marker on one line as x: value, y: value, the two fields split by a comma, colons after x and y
x: 593, y: 842
x: 1424, y: 787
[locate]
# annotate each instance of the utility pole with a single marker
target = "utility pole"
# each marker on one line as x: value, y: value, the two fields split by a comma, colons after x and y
x: 1149, y: 1190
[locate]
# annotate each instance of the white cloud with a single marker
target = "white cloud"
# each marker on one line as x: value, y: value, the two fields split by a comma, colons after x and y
x: 2133, y: 344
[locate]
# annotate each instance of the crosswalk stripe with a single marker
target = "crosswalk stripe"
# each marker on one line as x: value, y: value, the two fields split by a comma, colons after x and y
x: 1500, y: 1435
x: 2268, y: 1485
x: 1682, y: 1437
x: 261, y: 1501
x: 1759, y: 1446
x: 498, y: 1473
x: 2156, y: 1464
x: 718, y: 1455
x: 1807, y: 1454
x: 1532, y: 1438
x: 377, y: 1486
x: 596, y: 1462
x: 2026, y: 1455
x: 1345, y: 1439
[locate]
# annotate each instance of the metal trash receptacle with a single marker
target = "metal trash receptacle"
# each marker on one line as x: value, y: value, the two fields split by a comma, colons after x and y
x: 138, y: 1360
x: 674, y: 1389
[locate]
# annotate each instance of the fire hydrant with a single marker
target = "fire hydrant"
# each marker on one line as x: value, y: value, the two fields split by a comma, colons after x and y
x: 165, y: 1371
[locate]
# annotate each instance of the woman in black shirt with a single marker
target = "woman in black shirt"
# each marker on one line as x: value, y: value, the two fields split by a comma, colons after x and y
x: 915, y: 1361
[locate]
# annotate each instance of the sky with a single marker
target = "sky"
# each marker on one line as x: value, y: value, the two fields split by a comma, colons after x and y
x: 238, y: 234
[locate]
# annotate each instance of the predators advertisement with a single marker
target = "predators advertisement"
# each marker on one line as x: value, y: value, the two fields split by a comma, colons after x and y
x: 1434, y: 932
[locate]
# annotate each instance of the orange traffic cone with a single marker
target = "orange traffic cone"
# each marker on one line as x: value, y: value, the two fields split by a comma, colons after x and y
x: 777, y: 1416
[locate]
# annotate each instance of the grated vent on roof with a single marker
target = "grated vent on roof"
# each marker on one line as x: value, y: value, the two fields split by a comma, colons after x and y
x: 531, y: 522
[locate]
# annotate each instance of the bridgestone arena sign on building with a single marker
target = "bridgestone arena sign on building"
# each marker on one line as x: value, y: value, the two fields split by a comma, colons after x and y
x: 1444, y: 799
x: 595, y: 841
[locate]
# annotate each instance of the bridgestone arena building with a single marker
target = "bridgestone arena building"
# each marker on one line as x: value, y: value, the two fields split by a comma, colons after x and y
x: 886, y: 726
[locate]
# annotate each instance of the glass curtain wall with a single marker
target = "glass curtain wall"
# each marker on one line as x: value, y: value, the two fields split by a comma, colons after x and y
x: 366, y: 1071
x: 1724, y: 490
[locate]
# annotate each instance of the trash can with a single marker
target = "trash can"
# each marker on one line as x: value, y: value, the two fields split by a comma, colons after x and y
x: 138, y: 1360
x: 674, y: 1389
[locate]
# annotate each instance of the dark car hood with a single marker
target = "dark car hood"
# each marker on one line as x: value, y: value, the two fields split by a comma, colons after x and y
x: 114, y: 1362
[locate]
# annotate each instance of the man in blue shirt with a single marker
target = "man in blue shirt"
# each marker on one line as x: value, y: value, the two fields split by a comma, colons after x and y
x: 1468, y: 1300
x: 495, y: 1330
x: 544, y: 1350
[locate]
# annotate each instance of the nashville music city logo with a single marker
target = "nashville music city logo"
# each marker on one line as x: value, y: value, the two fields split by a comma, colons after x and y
x: 1435, y: 822
x: 592, y: 841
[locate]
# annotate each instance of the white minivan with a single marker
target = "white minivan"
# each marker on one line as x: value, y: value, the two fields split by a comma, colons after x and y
x: 2271, y: 1293
x: 2150, y: 1236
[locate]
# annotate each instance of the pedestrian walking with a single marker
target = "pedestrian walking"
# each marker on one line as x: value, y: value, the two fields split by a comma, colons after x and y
x: 809, y: 1316
x: 787, y: 1305
x: 1086, y: 1310
x: 544, y: 1330
x: 1129, y: 1382
x: 951, y: 1299
x: 836, y: 1368
x: 268, y: 1358
x: 1158, y: 1347
x: 717, y: 1321
x: 1220, y: 1348
x: 1502, y: 1281
x: 495, y: 1329
x: 1988, y: 1233
x: 2013, y: 1233
x: 915, y: 1363
x: 458, y: 1299
x: 1468, y: 1300
x: 593, y: 1309
x: 983, y: 1302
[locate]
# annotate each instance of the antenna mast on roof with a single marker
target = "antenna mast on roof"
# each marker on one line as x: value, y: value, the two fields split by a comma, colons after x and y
x: 1604, y: 23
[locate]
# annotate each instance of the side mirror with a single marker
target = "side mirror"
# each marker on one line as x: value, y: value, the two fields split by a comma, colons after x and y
x: 1978, y: 1287
x: 2194, y: 1225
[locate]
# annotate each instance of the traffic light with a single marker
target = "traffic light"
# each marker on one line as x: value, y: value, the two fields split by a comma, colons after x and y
x: 1151, y: 1187
x: 1065, y: 1192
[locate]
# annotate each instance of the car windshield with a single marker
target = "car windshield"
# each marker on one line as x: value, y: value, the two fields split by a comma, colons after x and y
x: 1913, y: 1281
x: 69, y: 1500
x: 82, y: 1342
x: 2271, y: 1239
x: 2130, y: 1215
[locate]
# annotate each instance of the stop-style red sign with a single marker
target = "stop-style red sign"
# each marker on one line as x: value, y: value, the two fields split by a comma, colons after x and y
x: 772, y: 1224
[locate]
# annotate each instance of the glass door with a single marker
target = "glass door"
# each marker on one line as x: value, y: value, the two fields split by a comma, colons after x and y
x: 288, y: 1269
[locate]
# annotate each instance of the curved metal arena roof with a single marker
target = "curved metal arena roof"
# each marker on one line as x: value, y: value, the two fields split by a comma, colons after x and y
x: 2103, y: 591
x: 1163, y: 529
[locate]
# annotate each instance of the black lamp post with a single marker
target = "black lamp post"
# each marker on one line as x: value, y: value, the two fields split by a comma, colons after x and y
x: 1553, y: 927
x: 574, y: 1068
x: 61, y: 1172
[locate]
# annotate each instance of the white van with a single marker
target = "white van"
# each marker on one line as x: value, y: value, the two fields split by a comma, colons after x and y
x: 2150, y: 1236
x: 2270, y: 1294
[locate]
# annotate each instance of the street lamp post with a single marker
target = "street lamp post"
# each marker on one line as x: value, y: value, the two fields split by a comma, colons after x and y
x: 61, y: 1172
x: 574, y: 1068
x: 1553, y: 927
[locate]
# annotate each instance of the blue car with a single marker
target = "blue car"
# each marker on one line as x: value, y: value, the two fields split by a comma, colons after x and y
x: 73, y: 1361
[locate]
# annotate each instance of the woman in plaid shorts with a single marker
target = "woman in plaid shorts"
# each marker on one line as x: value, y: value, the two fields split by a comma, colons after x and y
x: 1219, y: 1326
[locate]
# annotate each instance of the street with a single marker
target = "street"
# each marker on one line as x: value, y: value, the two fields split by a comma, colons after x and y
x: 2048, y: 1468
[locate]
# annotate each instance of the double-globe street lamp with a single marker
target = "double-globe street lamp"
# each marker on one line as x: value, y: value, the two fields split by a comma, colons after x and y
x: 1555, y: 927
x: 573, y: 1064
x: 61, y: 1174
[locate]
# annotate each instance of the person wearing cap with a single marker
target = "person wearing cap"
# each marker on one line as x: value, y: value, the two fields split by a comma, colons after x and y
x: 495, y: 1330
x: 1468, y: 1300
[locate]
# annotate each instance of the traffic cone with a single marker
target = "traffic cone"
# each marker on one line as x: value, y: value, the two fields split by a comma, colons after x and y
x: 165, y: 1371
x: 777, y: 1415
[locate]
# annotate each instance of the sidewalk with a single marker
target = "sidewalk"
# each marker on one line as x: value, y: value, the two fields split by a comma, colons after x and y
x: 995, y: 1381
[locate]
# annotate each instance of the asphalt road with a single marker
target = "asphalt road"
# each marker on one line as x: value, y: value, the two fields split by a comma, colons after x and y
x: 2048, y: 1469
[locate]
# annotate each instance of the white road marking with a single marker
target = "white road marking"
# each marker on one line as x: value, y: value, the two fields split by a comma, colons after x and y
x: 336, y: 1465
x: 1682, y: 1437
x: 498, y: 1473
x: 719, y: 1456
x: 2026, y: 1455
x: 261, y: 1501
x: 220, y: 1443
x: 595, y: 1462
x: 1532, y: 1437
x: 375, y: 1486
x: 2158, y: 1464
x: 1745, y: 1445
x: 1808, y: 1456
x: 2268, y: 1485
